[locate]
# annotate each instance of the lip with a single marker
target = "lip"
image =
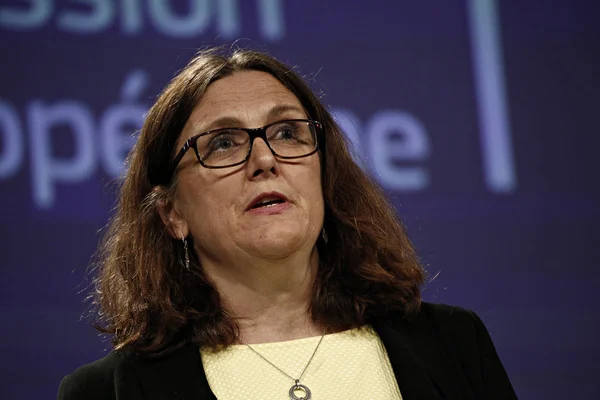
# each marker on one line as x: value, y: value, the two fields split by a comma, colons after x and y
x: 268, y: 194
x: 271, y: 210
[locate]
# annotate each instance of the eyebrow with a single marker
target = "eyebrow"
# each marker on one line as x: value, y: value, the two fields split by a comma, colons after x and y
x: 233, y: 122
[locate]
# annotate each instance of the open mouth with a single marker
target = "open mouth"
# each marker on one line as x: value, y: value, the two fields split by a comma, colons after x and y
x: 267, y: 200
x: 267, y: 203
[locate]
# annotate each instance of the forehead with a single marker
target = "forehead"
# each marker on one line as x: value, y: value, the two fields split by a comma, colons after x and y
x: 246, y: 97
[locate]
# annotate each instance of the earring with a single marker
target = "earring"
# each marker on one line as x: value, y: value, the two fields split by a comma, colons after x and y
x: 187, y: 254
x: 324, y: 234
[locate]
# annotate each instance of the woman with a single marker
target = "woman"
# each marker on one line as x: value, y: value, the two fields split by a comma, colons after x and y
x: 250, y: 257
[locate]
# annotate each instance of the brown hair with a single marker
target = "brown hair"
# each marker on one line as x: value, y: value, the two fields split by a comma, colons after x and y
x: 151, y: 304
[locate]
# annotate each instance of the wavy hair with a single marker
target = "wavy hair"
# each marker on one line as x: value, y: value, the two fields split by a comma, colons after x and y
x: 150, y: 304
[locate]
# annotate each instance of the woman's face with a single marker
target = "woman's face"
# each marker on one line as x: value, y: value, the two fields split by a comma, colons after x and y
x: 214, y: 205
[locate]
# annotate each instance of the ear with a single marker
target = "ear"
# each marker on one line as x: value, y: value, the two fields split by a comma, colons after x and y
x: 175, y: 223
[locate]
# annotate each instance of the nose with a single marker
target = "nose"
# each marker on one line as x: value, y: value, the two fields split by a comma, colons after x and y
x: 261, y: 161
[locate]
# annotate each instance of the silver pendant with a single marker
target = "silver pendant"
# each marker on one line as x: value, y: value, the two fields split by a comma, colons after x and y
x: 299, y: 386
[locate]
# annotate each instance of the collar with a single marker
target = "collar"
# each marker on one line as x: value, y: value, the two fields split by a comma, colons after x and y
x: 421, y: 365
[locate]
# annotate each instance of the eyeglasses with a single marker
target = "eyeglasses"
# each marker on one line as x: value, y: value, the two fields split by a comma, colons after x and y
x: 228, y: 147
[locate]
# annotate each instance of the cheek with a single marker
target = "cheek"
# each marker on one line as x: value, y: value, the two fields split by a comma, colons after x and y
x: 218, y: 207
x: 203, y: 202
x: 312, y: 188
x: 316, y: 178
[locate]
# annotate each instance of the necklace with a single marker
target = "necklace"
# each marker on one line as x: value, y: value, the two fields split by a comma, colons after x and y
x: 297, y: 385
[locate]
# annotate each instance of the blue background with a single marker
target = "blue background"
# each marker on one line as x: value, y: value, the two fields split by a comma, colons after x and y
x: 445, y: 76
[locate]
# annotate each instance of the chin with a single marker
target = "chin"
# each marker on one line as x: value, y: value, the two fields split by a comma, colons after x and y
x: 278, y: 243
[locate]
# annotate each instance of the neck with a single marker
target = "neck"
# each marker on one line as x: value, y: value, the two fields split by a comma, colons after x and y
x: 270, y: 299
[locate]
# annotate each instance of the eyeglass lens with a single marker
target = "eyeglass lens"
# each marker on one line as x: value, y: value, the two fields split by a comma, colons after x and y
x: 230, y: 146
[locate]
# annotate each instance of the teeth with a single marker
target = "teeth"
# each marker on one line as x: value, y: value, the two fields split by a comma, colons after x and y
x: 268, y: 199
x: 269, y: 202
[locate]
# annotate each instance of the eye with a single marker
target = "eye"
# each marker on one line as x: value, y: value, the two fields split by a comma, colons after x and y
x: 224, y: 141
x: 221, y: 143
x: 286, y: 132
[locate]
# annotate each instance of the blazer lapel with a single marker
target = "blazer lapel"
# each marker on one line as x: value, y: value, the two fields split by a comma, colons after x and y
x: 420, y: 363
x: 178, y: 375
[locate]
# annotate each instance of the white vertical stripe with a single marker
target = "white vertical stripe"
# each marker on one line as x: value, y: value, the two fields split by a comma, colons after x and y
x: 271, y: 18
x: 486, y: 50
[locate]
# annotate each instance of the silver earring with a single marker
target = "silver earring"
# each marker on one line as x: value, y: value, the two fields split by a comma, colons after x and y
x: 187, y: 254
x: 324, y: 234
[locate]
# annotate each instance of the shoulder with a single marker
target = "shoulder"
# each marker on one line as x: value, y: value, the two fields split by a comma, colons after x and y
x: 97, y: 380
x: 461, y: 325
x: 444, y: 311
x: 466, y: 340
x: 459, y: 329
x: 450, y: 317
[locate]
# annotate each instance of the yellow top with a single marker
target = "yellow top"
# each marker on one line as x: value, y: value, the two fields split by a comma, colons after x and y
x: 348, y: 365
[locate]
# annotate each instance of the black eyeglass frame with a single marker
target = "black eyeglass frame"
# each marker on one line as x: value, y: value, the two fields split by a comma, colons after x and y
x: 253, y: 133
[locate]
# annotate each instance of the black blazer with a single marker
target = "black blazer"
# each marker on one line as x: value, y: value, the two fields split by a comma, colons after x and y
x: 443, y: 353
